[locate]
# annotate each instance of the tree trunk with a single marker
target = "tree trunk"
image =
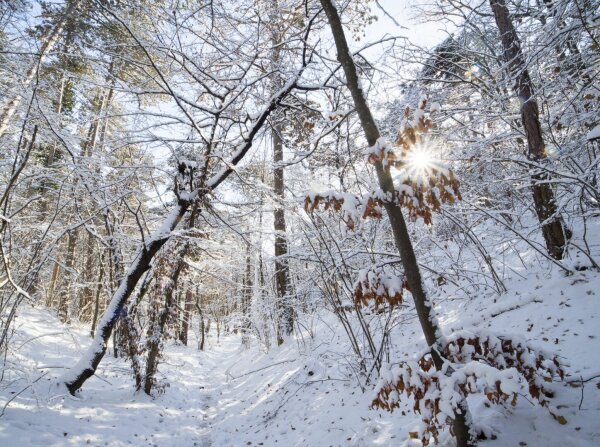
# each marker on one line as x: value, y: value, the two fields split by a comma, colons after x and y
x: 64, y: 298
x: 47, y: 45
x: 402, y: 240
x: 97, y: 298
x: 282, y: 272
x: 88, y: 274
x: 132, y: 339
x: 52, y: 286
x: 187, y: 315
x: 248, y: 289
x: 86, y: 367
x: 157, y: 327
x: 176, y: 262
x: 543, y: 196
x: 202, y: 327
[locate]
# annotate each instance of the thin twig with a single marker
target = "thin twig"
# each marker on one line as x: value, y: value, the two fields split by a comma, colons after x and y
x: 19, y: 393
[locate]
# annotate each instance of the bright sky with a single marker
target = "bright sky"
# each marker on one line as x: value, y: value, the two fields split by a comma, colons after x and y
x: 428, y: 34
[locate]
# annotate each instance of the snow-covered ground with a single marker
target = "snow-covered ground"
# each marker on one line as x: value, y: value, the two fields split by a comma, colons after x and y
x: 305, y: 393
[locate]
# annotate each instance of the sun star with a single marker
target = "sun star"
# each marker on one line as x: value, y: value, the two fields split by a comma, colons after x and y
x: 420, y: 161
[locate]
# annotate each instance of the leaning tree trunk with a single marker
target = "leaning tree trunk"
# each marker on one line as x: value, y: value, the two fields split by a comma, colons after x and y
x: 86, y: 367
x: 47, y: 44
x: 553, y: 230
x: 402, y: 240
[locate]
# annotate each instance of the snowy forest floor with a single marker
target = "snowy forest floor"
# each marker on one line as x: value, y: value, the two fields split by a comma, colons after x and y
x: 301, y: 394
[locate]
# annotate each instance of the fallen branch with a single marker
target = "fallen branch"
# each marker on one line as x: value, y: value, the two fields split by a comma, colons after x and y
x: 260, y: 369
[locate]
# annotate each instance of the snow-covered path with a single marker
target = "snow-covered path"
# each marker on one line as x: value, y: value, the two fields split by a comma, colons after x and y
x: 304, y: 393
x: 228, y: 395
x: 108, y: 412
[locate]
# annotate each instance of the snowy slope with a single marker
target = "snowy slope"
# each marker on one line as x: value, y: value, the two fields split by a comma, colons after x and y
x: 304, y: 393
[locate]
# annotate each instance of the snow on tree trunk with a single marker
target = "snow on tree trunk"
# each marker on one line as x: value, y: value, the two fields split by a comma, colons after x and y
x: 86, y: 367
x: 543, y: 196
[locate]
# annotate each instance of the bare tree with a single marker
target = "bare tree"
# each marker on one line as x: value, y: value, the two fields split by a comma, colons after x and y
x: 402, y: 240
x: 553, y: 229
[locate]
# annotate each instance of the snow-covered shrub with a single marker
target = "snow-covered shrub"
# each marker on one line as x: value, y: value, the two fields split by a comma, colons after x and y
x: 500, y: 368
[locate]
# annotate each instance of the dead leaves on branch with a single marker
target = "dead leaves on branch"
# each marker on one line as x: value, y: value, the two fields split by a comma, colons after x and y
x: 352, y: 207
x: 376, y: 287
x: 536, y: 367
x: 499, y: 368
x: 424, y: 183
x: 425, y: 198
x: 420, y: 199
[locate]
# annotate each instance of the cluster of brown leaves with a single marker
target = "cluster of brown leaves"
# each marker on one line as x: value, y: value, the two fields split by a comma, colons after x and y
x: 420, y: 196
x: 506, y: 353
x: 440, y: 186
x: 408, y: 137
x: 312, y: 203
x: 367, y: 291
x: 373, y: 208
x: 411, y: 134
x: 426, y: 394
x: 335, y: 202
x: 388, y: 399
x: 535, y: 367
x: 428, y: 198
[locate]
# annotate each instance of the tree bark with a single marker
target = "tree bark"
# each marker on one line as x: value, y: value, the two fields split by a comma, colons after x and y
x: 282, y: 272
x: 52, y: 286
x: 247, y: 289
x: 88, y: 275
x: 97, y: 297
x: 187, y: 315
x: 202, y: 325
x: 553, y: 229
x: 402, y: 240
x: 65, y: 294
x: 157, y: 327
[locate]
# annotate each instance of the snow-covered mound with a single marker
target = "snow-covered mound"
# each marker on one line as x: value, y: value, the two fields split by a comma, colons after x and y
x: 305, y: 393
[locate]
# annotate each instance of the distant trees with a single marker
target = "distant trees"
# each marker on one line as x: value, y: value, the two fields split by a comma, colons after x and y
x: 47, y: 44
x: 213, y: 123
